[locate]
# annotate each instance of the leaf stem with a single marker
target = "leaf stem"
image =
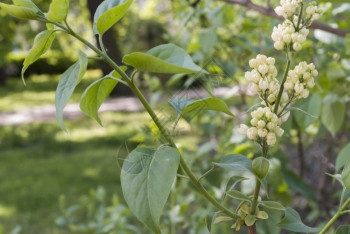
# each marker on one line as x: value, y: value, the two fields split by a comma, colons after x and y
x: 154, y: 117
x: 335, y: 217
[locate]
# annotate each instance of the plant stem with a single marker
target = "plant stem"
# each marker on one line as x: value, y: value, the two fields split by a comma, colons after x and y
x: 256, y: 196
x: 154, y: 117
x: 282, y: 84
x: 335, y: 217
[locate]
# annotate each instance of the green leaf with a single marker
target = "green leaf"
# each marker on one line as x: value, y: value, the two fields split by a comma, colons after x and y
x: 26, y: 3
x: 108, y: 13
x: 42, y: 43
x: 262, y: 215
x: 167, y: 58
x: 96, y: 94
x: 250, y: 220
x: 292, y: 222
x: 190, y: 108
x: 236, y: 163
x: 335, y: 73
x: 338, y: 178
x: 68, y: 81
x: 333, y: 115
x: 343, y: 229
x: 58, y: 10
x: 221, y: 219
x: 345, y: 175
x: 19, y: 11
x: 343, y: 157
x: 272, y: 205
x: 146, y: 178
x: 312, y: 106
x: 238, y: 196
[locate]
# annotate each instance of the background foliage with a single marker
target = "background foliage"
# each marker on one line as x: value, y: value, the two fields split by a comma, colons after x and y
x: 50, y: 179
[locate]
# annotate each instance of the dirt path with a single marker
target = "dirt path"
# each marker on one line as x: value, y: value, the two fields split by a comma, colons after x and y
x: 47, y: 113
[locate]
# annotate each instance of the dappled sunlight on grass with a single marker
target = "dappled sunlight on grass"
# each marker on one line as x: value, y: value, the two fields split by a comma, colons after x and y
x: 7, y: 211
x: 39, y: 90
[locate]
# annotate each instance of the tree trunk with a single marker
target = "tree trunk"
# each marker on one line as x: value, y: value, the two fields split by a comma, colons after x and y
x: 2, y: 76
x: 113, y: 50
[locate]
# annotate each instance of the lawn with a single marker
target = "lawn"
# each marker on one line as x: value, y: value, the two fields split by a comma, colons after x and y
x: 39, y: 163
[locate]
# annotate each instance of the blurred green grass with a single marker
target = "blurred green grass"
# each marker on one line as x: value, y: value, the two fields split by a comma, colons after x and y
x: 39, y: 162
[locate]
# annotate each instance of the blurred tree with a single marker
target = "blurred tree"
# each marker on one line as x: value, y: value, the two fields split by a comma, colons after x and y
x: 111, y: 45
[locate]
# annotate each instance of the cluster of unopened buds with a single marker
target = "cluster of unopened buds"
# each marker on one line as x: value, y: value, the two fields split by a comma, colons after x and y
x: 265, y: 126
x: 288, y: 36
x: 292, y: 31
x: 300, y: 80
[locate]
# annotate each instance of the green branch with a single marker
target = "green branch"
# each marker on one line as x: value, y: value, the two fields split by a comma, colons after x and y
x: 154, y: 117
x: 335, y: 216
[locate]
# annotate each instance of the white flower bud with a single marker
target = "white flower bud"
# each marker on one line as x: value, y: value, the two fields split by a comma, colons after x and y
x: 262, y: 132
x: 263, y: 85
x: 243, y: 129
x: 271, y: 139
x: 288, y: 86
x: 279, y: 131
x: 252, y: 63
x: 296, y: 46
x: 252, y: 133
x: 254, y: 121
x: 279, y: 45
x: 271, y: 126
x: 263, y: 69
x: 310, y: 84
x: 314, y: 73
x: 261, y: 124
x: 270, y: 61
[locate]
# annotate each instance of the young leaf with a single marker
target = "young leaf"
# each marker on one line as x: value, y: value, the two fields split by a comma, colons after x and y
x: 343, y: 229
x: 58, y: 10
x: 250, y: 220
x: 292, y: 222
x: 272, y: 205
x: 333, y: 115
x: 42, y: 43
x: 146, y: 178
x: 19, y: 11
x: 167, y: 58
x: 221, y: 219
x: 262, y: 215
x: 190, y: 108
x: 108, y: 13
x: 345, y: 175
x: 238, y: 195
x: 26, y: 3
x: 236, y: 162
x: 343, y: 157
x: 69, y: 80
x: 96, y: 94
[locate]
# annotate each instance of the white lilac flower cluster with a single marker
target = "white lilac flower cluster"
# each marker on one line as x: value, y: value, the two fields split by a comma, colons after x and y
x: 262, y: 79
x: 285, y: 34
x: 300, y: 80
x: 265, y: 126
x: 292, y: 31
x: 289, y: 36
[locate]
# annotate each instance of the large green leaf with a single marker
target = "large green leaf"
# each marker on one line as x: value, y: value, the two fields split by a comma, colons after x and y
x: 96, y: 94
x: 236, y: 162
x: 69, y: 80
x: 343, y: 157
x: 333, y: 115
x: 146, y: 178
x: 21, y: 12
x: 108, y: 13
x: 167, y: 58
x: 58, y: 10
x: 42, y: 43
x: 190, y: 108
x: 345, y: 175
x: 343, y: 229
x: 292, y: 222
